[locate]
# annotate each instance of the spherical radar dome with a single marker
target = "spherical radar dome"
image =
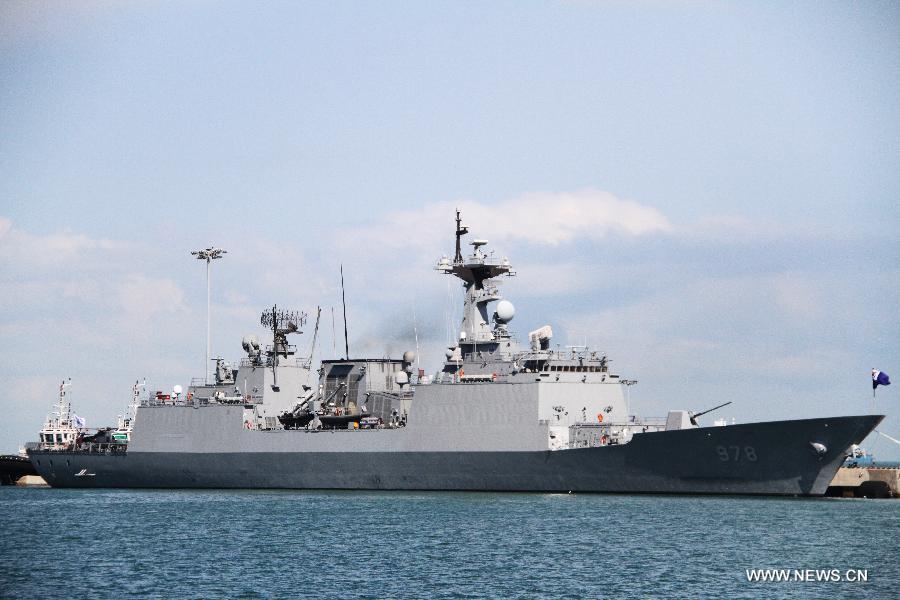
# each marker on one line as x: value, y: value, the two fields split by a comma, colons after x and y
x: 505, y: 311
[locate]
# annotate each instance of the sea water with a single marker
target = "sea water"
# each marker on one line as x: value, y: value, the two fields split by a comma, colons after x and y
x: 260, y: 544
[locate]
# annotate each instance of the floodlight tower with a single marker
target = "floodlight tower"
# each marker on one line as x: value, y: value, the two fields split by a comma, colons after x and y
x: 209, y: 254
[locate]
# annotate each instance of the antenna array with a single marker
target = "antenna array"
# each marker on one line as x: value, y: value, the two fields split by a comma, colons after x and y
x: 282, y: 320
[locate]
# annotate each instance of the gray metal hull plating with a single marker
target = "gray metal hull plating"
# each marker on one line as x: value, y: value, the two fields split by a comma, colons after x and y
x: 774, y: 458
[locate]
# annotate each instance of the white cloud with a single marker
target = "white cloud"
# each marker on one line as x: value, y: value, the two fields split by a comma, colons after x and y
x: 555, y: 218
x: 22, y: 250
x: 542, y: 218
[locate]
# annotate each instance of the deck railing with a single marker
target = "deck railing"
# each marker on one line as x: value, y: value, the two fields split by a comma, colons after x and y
x: 83, y: 448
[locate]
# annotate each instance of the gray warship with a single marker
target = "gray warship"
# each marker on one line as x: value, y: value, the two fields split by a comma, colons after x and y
x: 498, y: 416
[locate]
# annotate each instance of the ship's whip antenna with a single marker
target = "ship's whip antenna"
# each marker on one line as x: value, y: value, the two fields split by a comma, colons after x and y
x: 344, y: 301
x: 333, y: 337
x: 416, y: 331
x: 312, y: 349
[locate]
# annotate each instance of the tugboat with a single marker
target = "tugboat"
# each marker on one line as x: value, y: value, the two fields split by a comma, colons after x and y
x: 61, y: 429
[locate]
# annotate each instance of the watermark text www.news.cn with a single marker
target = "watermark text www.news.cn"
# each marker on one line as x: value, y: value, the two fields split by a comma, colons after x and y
x: 807, y: 575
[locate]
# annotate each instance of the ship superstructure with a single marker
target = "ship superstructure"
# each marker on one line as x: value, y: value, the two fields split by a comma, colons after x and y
x: 61, y: 428
x: 497, y: 416
x: 574, y: 393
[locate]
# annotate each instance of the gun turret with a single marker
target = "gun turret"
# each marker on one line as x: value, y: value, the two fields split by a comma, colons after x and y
x: 700, y: 414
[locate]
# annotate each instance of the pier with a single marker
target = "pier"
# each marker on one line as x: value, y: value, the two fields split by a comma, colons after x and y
x: 865, y: 482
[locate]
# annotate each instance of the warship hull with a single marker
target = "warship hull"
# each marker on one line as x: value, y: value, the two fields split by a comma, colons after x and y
x: 773, y: 458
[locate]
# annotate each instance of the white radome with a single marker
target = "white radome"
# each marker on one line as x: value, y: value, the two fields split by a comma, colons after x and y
x: 505, y: 311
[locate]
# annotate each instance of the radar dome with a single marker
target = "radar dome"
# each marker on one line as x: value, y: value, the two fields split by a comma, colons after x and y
x: 401, y: 378
x: 505, y: 311
x: 409, y: 356
x: 177, y: 389
x: 449, y: 353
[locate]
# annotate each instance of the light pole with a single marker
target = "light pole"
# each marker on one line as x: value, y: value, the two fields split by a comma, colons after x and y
x: 209, y: 254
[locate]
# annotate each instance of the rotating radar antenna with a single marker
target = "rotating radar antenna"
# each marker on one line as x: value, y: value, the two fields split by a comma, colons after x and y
x: 282, y: 322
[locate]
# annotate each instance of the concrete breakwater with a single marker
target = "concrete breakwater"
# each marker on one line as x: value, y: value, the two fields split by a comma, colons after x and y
x: 865, y: 482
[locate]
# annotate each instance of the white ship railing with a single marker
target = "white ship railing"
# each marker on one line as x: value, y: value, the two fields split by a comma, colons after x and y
x: 282, y: 362
x: 83, y: 448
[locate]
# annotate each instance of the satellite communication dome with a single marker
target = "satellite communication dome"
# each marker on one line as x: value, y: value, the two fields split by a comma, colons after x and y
x: 401, y: 378
x: 177, y: 389
x: 505, y: 311
x: 409, y: 356
x: 449, y: 352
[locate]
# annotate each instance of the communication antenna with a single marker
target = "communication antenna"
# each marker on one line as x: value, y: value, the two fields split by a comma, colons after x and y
x: 312, y: 349
x: 461, y: 230
x: 344, y: 301
x: 416, y: 332
x: 333, y: 337
x: 63, y: 407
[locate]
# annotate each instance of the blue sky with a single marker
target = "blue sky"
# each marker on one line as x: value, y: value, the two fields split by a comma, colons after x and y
x: 707, y: 191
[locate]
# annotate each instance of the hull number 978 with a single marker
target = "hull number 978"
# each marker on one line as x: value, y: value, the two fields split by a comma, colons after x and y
x: 736, y: 453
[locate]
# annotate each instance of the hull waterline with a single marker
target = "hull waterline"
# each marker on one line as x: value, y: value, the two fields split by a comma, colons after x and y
x: 776, y: 458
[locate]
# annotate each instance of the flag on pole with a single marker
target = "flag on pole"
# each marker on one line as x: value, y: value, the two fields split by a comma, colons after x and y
x: 79, y: 421
x: 879, y: 378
